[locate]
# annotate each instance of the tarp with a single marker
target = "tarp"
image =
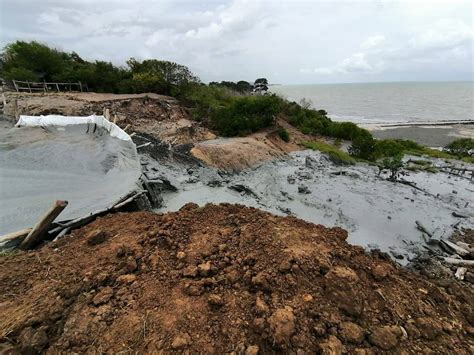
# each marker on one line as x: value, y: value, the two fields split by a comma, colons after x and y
x: 87, y: 161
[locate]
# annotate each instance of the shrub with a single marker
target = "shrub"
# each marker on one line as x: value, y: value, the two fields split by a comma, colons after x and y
x: 245, y: 115
x: 335, y: 155
x: 463, y: 147
x: 363, y: 147
x: 394, y: 164
x: 284, y: 135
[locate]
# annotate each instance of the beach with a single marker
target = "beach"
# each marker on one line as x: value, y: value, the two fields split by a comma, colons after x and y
x: 430, y: 135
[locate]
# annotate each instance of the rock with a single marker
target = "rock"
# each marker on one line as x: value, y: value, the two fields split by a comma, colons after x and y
x: 385, y: 337
x: 180, y: 255
x: 215, y: 300
x: 303, y: 189
x: 341, y: 274
x: 291, y: 179
x: 260, y: 281
x: 130, y: 264
x: 204, y: 269
x: 96, y: 237
x: 429, y: 328
x: 469, y: 277
x: 252, y: 350
x: 126, y: 279
x: 190, y: 271
x: 397, y: 255
x: 460, y: 273
x: 380, y: 271
x: 103, y: 296
x: 284, y: 266
x: 412, y: 330
x: 282, y: 325
x: 319, y: 330
x: 32, y: 341
x: 342, y: 287
x: 332, y: 346
x: 260, y: 305
x: 181, y: 341
x: 351, y: 332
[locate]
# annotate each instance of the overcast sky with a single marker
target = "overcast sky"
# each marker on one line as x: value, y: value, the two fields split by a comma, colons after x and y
x: 289, y: 42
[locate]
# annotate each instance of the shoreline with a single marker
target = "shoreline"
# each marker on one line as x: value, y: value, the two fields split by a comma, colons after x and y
x: 433, y: 135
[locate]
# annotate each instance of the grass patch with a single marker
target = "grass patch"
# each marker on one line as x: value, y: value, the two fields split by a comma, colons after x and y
x: 284, y: 135
x: 335, y: 155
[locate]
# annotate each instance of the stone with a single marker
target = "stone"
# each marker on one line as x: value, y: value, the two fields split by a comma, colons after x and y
x: 429, y: 328
x: 260, y: 305
x: 385, y: 337
x: 252, y: 350
x: 190, y: 271
x: 351, y: 332
x: 103, y: 296
x: 32, y: 341
x: 332, y: 346
x: 282, y: 325
x: 126, y: 279
x: 303, y: 189
x: 180, y: 255
x: 204, y: 269
x: 181, y: 341
x: 215, y: 300
x: 96, y: 237
x: 380, y: 271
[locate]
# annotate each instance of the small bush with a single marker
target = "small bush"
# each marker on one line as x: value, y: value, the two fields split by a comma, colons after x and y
x: 245, y: 115
x: 335, y: 155
x: 463, y: 147
x: 284, y: 135
x: 394, y: 164
x: 363, y: 147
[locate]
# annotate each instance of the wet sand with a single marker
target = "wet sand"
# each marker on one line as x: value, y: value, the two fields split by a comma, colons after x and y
x: 431, y: 136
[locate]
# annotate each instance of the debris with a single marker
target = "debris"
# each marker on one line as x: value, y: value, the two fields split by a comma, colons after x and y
x: 460, y: 272
x: 43, y: 225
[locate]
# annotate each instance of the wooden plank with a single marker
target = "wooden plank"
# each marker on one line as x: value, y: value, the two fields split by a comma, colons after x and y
x: 15, y: 235
x: 43, y: 224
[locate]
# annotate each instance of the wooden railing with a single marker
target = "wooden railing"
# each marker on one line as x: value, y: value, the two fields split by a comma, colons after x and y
x: 31, y: 86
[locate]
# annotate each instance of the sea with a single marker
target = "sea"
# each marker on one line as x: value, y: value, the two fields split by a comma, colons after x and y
x: 388, y: 103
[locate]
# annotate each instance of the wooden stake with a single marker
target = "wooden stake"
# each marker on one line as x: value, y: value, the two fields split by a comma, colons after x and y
x: 43, y: 224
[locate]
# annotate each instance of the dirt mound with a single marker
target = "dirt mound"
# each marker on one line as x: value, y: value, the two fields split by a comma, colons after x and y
x: 220, y: 279
x: 159, y: 115
x: 236, y: 154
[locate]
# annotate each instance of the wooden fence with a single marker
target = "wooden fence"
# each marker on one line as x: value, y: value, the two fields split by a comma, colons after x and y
x: 31, y: 86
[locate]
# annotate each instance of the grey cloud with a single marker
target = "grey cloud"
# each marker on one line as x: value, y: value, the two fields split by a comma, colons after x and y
x: 242, y: 39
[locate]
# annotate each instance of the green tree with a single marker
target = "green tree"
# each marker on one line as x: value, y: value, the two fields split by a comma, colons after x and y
x: 31, y: 61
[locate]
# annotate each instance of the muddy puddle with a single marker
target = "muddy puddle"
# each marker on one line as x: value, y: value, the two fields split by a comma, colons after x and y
x: 376, y: 213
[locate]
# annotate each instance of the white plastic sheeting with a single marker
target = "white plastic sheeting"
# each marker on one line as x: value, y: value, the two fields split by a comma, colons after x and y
x: 88, y: 161
x: 56, y: 120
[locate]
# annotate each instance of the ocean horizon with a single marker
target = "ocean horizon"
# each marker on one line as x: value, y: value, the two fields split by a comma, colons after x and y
x: 388, y: 102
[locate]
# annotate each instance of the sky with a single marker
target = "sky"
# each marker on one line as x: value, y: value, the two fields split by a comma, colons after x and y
x: 288, y: 42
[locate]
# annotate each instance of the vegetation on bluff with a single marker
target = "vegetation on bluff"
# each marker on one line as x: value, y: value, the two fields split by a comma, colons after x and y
x: 226, y: 107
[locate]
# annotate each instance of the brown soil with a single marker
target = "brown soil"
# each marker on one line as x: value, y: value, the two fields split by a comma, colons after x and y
x: 221, y: 279
x: 158, y: 115
x: 236, y: 154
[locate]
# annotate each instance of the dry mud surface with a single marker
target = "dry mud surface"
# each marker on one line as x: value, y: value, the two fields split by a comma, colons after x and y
x: 223, y: 278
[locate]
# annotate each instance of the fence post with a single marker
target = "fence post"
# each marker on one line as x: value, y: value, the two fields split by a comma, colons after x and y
x: 29, y: 87
x: 57, y: 87
x: 80, y: 85
x: 16, y: 86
